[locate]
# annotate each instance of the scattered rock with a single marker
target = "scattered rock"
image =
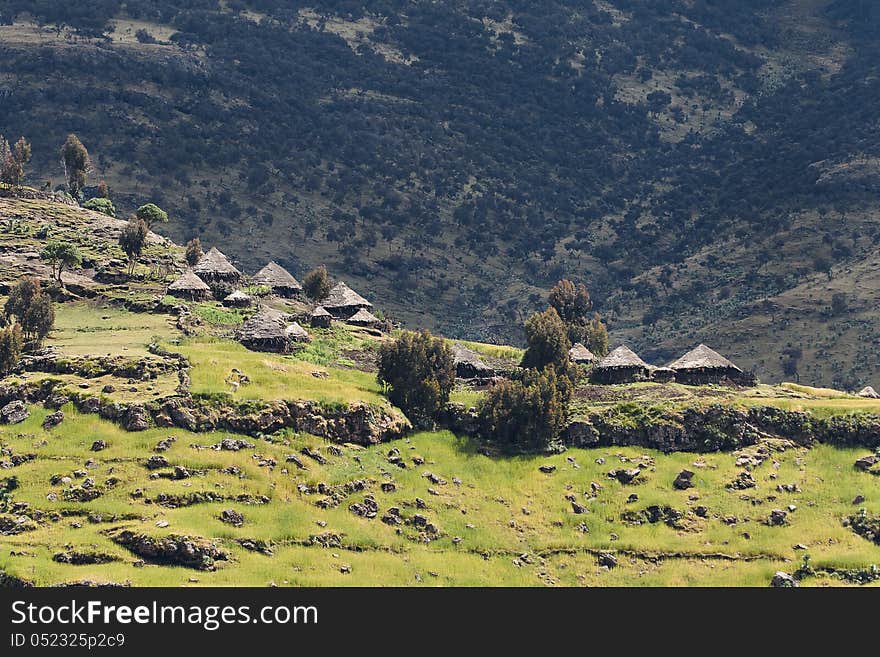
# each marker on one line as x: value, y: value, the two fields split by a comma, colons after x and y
x: 607, y: 560
x: 165, y: 444
x: 157, y: 461
x: 578, y: 508
x: 683, y: 480
x: 865, y: 463
x: 777, y: 517
x: 624, y: 476
x: 547, y: 469
x: 14, y: 412
x: 232, y: 517
x: 783, y: 580
x: 99, y: 445
x: 743, y: 481
x: 859, y: 499
x: 53, y: 420
x: 82, y: 558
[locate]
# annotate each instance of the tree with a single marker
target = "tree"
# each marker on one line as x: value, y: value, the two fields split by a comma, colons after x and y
x: 194, y: 251
x: 548, y: 341
x: 572, y: 302
x: 31, y: 308
x: 11, y: 343
x: 839, y: 303
x: 419, y: 370
x: 528, y: 414
x: 12, y: 162
x: 61, y: 255
x: 593, y: 335
x: 151, y: 214
x: 102, y: 205
x: 103, y: 190
x: 77, y: 164
x: 316, y: 283
x: 132, y: 240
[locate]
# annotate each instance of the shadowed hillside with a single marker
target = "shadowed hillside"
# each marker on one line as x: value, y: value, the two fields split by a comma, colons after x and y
x: 709, y: 169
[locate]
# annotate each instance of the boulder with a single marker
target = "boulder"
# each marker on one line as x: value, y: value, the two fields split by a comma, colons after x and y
x: 232, y: 517
x: 865, y: 463
x: 53, y: 420
x: 783, y: 580
x: 683, y: 480
x: 136, y: 418
x: 14, y: 412
x: 624, y: 476
x: 99, y: 445
x: 157, y: 461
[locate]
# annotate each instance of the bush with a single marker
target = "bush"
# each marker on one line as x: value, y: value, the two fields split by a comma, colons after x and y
x: 194, y: 251
x: 102, y: 205
x: 548, y: 341
x: 420, y: 372
x: 316, y: 283
x: 11, y: 343
x: 61, y: 255
x: 31, y: 308
x: 526, y: 415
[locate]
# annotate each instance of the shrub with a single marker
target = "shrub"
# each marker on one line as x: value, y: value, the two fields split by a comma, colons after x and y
x: 77, y: 164
x: 11, y: 343
x: 316, y: 283
x: 419, y: 370
x: 132, y: 240
x: 526, y: 415
x: 194, y: 251
x: 31, y: 308
x: 547, y: 339
x: 102, y: 205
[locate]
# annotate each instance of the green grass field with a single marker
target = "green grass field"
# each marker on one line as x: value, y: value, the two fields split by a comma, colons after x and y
x: 501, y: 521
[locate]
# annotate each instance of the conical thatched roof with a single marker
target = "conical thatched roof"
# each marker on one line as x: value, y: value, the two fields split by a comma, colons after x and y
x: 297, y: 333
x: 700, y: 358
x: 869, y: 392
x: 580, y: 354
x: 363, y: 316
x: 215, y: 264
x: 267, y: 324
x: 237, y: 297
x: 274, y: 275
x: 623, y: 356
x: 342, y: 296
x: 321, y: 311
x: 189, y: 282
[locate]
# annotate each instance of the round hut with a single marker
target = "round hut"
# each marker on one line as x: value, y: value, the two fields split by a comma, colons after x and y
x: 469, y: 365
x: 580, y: 355
x: 343, y: 302
x: 620, y: 366
x: 296, y: 333
x: 214, y: 267
x: 320, y: 318
x: 189, y: 286
x: 278, y: 279
x: 363, y: 317
x: 237, y: 299
x: 703, y: 366
x: 266, y: 331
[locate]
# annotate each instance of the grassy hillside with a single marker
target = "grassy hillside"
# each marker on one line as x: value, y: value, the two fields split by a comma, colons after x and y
x: 318, y: 512
x: 708, y: 168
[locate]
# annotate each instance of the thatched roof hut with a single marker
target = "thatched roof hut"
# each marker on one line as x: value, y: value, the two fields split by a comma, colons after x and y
x: 363, y: 317
x: 703, y: 366
x: 237, y: 299
x: 580, y: 354
x: 320, y: 318
x: 620, y: 366
x: 266, y: 331
x: 278, y: 279
x: 215, y: 267
x: 297, y: 333
x: 469, y: 365
x: 189, y: 286
x: 869, y: 392
x: 343, y: 302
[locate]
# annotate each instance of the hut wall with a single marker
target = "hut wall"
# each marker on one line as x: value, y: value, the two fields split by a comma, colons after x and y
x: 191, y: 295
x: 344, y: 312
x: 322, y: 321
x: 710, y: 376
x: 274, y: 345
x: 611, y: 375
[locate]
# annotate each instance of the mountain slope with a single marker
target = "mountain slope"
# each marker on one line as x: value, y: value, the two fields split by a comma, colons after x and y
x: 455, y: 158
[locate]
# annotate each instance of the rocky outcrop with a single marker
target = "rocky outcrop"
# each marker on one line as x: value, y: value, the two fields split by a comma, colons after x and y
x: 188, y: 551
x: 14, y: 412
x: 716, y: 428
